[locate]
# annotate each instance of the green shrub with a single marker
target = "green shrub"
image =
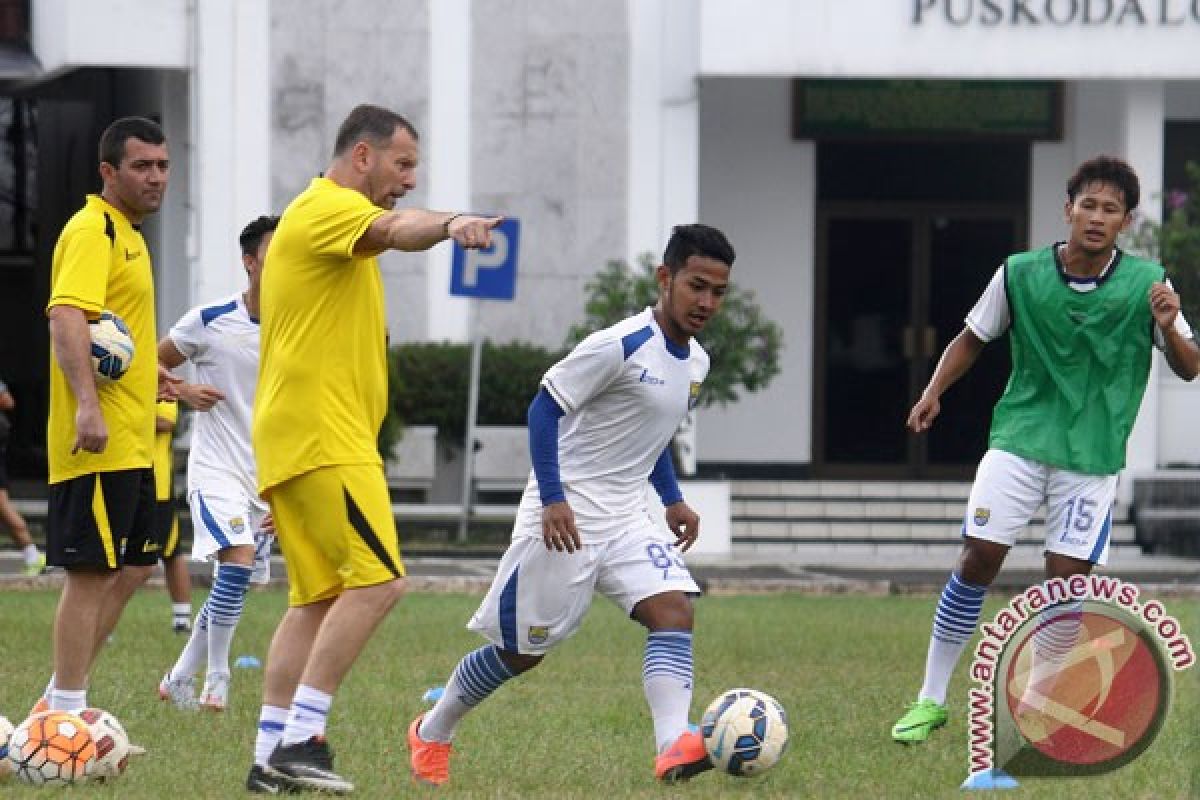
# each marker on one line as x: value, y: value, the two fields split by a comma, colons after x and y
x: 1175, y: 242
x: 429, y: 384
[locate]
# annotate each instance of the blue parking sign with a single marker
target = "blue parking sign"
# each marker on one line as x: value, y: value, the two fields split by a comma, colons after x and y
x: 492, y: 273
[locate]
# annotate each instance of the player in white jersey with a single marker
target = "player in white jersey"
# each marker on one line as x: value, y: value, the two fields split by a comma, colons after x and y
x: 583, y: 525
x: 231, y: 524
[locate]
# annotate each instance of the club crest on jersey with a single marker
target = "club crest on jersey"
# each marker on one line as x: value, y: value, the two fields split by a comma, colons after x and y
x: 982, y: 515
x: 237, y: 524
x: 693, y: 395
x: 538, y: 634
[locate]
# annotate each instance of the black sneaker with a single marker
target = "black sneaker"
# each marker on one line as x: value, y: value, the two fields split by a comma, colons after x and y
x: 308, y: 765
x: 260, y: 781
x: 182, y: 626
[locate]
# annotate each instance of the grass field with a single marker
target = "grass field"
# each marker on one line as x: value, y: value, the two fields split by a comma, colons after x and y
x: 578, y: 727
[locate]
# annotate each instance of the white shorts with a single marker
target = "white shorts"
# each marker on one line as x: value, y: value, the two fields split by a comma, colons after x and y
x: 227, y: 518
x: 539, y: 597
x: 1009, y: 490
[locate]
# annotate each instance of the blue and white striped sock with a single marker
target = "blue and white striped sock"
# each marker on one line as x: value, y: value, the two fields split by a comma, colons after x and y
x: 954, y: 622
x: 667, y: 682
x: 306, y: 718
x: 271, y: 721
x: 224, y: 610
x: 478, y: 675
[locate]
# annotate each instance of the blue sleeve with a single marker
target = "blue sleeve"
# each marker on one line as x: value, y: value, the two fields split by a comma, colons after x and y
x: 543, y: 417
x: 662, y: 477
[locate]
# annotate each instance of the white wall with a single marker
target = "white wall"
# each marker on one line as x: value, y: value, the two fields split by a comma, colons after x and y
x: 115, y: 33
x: 881, y: 38
x: 758, y: 185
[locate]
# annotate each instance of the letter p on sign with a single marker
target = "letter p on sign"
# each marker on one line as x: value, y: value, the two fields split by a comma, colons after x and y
x: 492, y: 273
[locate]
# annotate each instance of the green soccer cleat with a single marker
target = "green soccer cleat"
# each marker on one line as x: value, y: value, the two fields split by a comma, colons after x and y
x: 919, y: 721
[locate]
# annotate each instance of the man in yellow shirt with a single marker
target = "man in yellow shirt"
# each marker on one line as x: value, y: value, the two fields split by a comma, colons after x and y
x: 100, y: 438
x: 322, y: 396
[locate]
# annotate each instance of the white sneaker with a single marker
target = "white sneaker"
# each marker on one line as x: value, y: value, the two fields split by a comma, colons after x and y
x: 180, y: 691
x: 215, y: 695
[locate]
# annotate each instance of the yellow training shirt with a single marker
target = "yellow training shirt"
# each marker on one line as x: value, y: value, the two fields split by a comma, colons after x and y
x: 101, y: 262
x: 164, y: 459
x: 322, y: 379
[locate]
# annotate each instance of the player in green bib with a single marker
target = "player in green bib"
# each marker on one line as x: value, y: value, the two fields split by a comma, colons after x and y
x: 1082, y: 318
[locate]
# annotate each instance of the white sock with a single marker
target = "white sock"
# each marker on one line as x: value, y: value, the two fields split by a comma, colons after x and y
x: 31, y: 554
x: 939, y: 666
x: 271, y: 721
x: 68, y: 700
x: 667, y: 682
x: 181, y: 612
x: 195, y: 652
x: 306, y: 717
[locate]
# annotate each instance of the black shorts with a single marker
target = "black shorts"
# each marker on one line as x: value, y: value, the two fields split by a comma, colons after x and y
x: 166, y: 528
x: 103, y: 520
x: 3, y: 463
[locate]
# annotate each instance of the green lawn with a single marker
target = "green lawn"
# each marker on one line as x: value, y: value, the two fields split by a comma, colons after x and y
x: 578, y: 726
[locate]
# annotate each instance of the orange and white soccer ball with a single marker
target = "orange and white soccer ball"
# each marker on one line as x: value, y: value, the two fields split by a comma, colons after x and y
x: 51, y: 747
x: 112, y: 744
x: 745, y: 731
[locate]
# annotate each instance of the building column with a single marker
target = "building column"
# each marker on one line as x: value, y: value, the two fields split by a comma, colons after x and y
x: 1142, y: 113
x: 449, y: 149
x: 230, y: 157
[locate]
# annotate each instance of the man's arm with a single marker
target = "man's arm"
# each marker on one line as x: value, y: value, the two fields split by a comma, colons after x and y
x: 416, y: 229
x: 6, y: 400
x: 72, y: 343
x: 957, y: 358
x: 199, y: 396
x: 1181, y: 351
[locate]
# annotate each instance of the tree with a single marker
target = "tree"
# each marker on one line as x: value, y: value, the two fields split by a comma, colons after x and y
x: 1175, y: 242
x: 744, y: 345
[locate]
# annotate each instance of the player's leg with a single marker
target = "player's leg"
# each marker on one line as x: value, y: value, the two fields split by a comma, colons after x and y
x: 537, y: 599
x: 1078, y: 528
x: 288, y: 653
x: 226, y: 524
x: 644, y: 574
x: 82, y: 539
x: 11, y: 519
x: 175, y: 568
x: 1007, y: 492
x: 132, y: 514
x: 345, y: 513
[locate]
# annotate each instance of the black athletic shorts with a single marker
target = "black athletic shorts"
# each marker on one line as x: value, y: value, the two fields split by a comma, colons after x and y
x: 104, y: 520
x: 166, y: 528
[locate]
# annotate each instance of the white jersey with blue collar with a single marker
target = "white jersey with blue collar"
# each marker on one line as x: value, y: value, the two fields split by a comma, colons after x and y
x: 221, y: 341
x: 625, y: 391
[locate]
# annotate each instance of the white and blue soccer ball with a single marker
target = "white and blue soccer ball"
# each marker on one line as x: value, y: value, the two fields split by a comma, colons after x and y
x: 745, y: 731
x: 112, y: 346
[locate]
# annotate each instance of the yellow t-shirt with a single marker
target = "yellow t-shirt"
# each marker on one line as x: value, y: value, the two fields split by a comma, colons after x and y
x: 322, y: 380
x: 164, y: 459
x: 101, y: 262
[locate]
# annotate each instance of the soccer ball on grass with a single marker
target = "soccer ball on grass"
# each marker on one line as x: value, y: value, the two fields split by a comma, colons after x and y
x: 745, y: 731
x: 112, y: 744
x: 51, y: 747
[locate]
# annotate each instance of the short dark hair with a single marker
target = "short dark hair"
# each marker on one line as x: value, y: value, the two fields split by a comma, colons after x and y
x: 372, y: 123
x: 112, y: 141
x: 252, y: 235
x: 696, y: 240
x: 1110, y: 170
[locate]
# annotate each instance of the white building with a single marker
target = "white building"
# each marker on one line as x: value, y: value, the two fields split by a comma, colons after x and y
x: 871, y: 161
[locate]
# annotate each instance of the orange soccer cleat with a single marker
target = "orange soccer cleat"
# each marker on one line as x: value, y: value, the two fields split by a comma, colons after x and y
x: 430, y: 761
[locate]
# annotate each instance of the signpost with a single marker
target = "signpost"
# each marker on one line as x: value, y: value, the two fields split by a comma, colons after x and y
x: 489, y: 274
